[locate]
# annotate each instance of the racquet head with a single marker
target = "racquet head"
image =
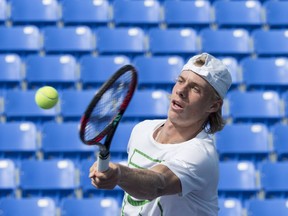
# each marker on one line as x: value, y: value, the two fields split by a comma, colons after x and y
x: 107, y: 107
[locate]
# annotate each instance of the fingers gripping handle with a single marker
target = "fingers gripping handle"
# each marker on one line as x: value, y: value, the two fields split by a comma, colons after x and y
x: 103, y: 162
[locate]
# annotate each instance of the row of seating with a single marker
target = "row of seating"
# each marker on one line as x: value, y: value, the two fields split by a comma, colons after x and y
x: 239, y: 106
x: 59, y: 178
x: 69, y: 206
x: 135, y: 41
x: 146, y: 13
x: 66, y: 71
x: 250, y: 141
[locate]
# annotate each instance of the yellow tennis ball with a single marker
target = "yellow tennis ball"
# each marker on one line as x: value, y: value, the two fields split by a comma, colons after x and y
x: 46, y: 97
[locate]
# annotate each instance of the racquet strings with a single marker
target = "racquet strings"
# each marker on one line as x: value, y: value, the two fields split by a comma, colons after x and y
x: 108, y: 106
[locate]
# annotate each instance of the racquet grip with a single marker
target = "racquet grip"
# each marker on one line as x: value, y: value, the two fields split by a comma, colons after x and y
x: 102, y: 163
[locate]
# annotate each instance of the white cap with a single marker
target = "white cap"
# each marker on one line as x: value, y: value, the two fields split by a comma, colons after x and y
x: 213, y: 71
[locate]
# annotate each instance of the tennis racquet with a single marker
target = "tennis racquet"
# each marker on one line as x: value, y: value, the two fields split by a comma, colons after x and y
x: 105, y: 111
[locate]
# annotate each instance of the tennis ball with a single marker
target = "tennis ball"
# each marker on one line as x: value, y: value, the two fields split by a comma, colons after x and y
x: 46, y: 97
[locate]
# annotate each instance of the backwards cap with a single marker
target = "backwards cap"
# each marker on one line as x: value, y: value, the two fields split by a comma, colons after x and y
x: 213, y: 71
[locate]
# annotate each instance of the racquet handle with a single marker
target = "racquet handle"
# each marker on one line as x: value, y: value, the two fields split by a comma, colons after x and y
x: 102, y: 163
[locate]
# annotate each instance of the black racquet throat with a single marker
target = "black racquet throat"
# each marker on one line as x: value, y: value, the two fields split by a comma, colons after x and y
x: 105, y: 111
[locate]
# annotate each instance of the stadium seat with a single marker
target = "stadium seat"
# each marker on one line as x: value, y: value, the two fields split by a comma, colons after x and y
x: 144, y: 13
x: 237, y: 179
x: 267, y: 207
x: 158, y: 72
x: 246, y: 14
x: 270, y: 42
x: 276, y: 13
x: 233, y: 67
x: 265, y: 73
x: 172, y: 41
x: 8, y: 183
x: 148, y: 104
x: 73, y: 39
x: 234, y: 42
x: 28, y: 206
x: 89, y: 206
x: 62, y: 141
x: 59, y: 71
x: 79, y: 12
x: 20, y: 39
x: 10, y: 71
x: 74, y: 103
x: 18, y: 140
x: 34, y: 12
x: 94, y: 71
x: 121, y: 40
x: 120, y: 140
x: 3, y: 11
x: 230, y: 207
x: 20, y: 105
x: 243, y: 142
x: 280, y: 137
x: 273, y: 177
x: 53, y: 178
x: 196, y: 14
x: 253, y: 106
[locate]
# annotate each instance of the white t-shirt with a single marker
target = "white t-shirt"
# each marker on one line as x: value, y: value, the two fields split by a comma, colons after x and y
x: 194, y: 162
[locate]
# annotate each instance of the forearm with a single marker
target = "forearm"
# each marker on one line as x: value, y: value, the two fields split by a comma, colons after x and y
x: 140, y: 183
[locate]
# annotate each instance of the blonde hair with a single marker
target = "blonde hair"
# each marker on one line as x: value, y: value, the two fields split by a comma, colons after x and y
x: 215, y: 121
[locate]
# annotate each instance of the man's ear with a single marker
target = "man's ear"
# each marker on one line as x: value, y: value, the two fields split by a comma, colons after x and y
x: 216, y: 105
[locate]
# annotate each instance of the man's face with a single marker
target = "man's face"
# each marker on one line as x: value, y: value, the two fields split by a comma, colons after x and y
x: 191, y: 100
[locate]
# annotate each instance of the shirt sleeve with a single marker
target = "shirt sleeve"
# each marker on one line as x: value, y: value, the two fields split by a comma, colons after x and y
x: 195, y: 167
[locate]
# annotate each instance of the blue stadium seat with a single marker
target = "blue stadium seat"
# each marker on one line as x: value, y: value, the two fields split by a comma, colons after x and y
x: 148, y: 104
x: 270, y: 42
x: 243, y: 142
x: 158, y: 71
x: 234, y: 42
x: 59, y: 71
x: 285, y: 101
x: 273, y: 177
x: 194, y: 14
x: 8, y: 183
x: 233, y: 67
x: 18, y: 140
x: 56, y: 39
x: 22, y: 39
x: 34, y: 12
x: 79, y: 12
x: 144, y: 13
x: 132, y: 40
x: 252, y: 106
x: 3, y: 11
x: 265, y: 73
x: 61, y: 140
x: 276, y: 13
x: 94, y: 71
x: 28, y: 206
x: 89, y: 206
x: 280, y: 137
x: 267, y: 207
x: 53, y: 178
x: 246, y: 14
x: 120, y: 140
x: 20, y: 105
x: 10, y: 71
x: 237, y: 179
x: 230, y: 207
x: 74, y: 103
x: 172, y: 41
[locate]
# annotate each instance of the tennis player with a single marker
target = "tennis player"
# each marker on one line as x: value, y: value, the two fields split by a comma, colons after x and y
x: 173, y: 163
